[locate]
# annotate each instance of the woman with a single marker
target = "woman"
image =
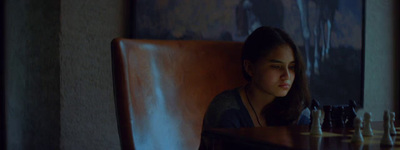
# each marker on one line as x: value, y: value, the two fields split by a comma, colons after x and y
x: 277, y: 89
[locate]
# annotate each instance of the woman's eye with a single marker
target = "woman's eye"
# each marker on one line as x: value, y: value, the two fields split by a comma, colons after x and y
x: 292, y: 67
x: 276, y: 67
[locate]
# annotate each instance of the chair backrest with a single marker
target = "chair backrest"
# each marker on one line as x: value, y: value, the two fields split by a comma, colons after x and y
x: 163, y: 87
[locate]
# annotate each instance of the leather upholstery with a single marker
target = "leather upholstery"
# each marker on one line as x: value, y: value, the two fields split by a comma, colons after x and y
x: 163, y: 87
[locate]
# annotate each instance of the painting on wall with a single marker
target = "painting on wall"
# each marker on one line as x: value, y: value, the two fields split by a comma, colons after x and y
x: 330, y: 34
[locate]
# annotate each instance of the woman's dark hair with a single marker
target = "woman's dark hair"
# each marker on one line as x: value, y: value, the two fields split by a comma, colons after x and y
x: 283, y: 110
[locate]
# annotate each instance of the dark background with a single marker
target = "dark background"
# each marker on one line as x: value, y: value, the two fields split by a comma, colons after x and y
x: 337, y: 75
x: 2, y: 98
x: 397, y: 44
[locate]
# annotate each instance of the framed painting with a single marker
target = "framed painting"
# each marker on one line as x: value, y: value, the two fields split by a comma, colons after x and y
x: 330, y: 33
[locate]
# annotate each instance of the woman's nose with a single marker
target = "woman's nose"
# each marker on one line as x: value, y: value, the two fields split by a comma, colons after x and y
x: 286, y: 74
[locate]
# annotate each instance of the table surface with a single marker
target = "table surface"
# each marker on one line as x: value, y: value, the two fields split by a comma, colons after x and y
x: 296, y: 137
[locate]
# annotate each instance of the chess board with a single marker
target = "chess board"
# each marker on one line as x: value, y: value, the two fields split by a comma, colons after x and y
x: 299, y: 137
x: 368, y: 140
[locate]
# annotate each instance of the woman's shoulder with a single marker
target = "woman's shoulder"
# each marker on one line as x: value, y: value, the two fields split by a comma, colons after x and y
x: 224, y: 106
x: 226, y: 99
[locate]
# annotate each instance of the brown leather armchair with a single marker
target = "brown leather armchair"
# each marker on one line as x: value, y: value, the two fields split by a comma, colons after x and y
x: 163, y: 87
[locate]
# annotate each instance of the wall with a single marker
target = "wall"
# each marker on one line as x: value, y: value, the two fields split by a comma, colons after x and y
x: 88, y: 119
x: 380, y: 89
x: 58, y: 79
x: 32, y: 74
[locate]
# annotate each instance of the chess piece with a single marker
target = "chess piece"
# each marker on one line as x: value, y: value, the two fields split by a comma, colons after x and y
x: 367, y: 130
x: 327, y: 119
x: 352, y: 104
x: 357, y: 136
x: 316, y: 125
x: 314, y: 106
x: 392, y: 127
x: 386, y: 138
x: 337, y: 117
x: 350, y: 113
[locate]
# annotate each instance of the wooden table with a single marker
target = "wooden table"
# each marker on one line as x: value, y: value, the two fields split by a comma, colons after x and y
x: 292, y: 137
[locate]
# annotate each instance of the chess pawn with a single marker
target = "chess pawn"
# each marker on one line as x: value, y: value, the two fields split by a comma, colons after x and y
x: 392, y: 127
x: 386, y: 138
x: 357, y: 136
x: 367, y: 130
x: 316, y: 123
x: 314, y: 106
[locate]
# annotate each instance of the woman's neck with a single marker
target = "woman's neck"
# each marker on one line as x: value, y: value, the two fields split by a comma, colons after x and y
x: 258, y: 98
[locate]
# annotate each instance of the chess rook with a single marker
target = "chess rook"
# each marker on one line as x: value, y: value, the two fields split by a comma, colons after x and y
x: 386, y: 138
x: 357, y: 136
x: 316, y: 123
x: 367, y: 130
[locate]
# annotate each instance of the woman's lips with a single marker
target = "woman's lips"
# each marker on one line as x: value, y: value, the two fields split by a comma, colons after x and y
x: 285, y: 86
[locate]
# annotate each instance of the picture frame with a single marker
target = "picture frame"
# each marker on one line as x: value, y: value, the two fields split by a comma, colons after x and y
x: 329, y: 33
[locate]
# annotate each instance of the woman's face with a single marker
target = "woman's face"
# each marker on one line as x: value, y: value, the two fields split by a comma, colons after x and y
x: 275, y: 73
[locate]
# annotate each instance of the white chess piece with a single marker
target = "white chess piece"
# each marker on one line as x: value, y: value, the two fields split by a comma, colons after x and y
x: 316, y: 124
x: 386, y: 138
x: 392, y: 127
x: 357, y: 136
x: 367, y: 130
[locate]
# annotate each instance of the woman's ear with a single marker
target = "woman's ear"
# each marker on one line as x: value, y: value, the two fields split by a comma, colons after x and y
x: 248, y: 67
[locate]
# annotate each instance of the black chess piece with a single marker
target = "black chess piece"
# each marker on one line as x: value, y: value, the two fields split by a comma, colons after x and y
x: 314, y: 104
x: 338, y: 116
x: 352, y: 103
x: 351, y: 113
x: 327, y: 119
